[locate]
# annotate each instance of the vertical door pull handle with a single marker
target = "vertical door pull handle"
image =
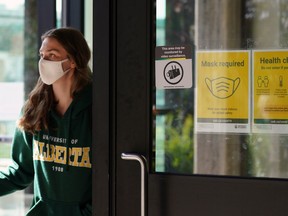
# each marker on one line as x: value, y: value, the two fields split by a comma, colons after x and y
x: 143, y: 164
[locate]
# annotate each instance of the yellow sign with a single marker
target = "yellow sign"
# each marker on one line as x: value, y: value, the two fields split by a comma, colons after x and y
x: 270, y: 103
x: 223, y: 89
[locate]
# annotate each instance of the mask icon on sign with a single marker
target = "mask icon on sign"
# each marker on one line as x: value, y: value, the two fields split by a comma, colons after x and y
x: 222, y: 87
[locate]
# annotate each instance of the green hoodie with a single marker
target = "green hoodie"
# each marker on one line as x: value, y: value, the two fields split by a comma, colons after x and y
x: 58, y: 160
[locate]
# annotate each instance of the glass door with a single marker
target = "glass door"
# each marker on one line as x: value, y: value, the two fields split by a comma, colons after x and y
x: 200, y: 92
x: 230, y: 119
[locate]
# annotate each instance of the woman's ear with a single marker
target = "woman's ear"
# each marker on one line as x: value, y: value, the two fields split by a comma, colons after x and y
x: 73, y: 64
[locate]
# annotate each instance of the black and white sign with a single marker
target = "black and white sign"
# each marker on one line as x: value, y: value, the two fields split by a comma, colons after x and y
x: 173, y: 67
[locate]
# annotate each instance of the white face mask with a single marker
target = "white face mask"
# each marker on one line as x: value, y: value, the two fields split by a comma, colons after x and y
x: 51, y: 71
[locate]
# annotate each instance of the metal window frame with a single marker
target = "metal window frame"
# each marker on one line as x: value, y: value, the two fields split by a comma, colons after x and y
x: 73, y: 14
x: 46, y: 17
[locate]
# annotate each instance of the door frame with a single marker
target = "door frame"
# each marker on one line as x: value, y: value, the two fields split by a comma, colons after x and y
x: 133, y: 100
x: 122, y: 83
x: 110, y: 101
x: 103, y: 61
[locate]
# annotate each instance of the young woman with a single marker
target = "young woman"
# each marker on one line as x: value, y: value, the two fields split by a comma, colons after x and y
x: 52, y: 143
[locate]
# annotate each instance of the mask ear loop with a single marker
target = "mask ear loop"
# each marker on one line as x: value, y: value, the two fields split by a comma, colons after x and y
x: 67, y: 59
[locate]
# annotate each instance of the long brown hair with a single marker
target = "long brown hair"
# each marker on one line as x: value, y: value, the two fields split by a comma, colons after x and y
x: 41, y: 98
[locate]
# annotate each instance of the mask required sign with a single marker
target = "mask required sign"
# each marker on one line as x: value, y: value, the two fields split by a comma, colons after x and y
x: 223, y: 91
x: 173, y: 67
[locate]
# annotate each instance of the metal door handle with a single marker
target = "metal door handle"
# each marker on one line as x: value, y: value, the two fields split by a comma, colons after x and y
x: 143, y: 163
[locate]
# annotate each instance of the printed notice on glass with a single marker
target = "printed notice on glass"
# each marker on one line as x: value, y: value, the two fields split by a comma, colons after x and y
x: 270, y: 91
x: 173, y: 67
x: 222, y: 93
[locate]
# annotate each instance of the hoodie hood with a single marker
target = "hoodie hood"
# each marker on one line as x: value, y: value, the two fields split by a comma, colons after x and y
x: 82, y: 102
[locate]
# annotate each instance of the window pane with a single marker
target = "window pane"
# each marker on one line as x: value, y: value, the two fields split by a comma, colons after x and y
x: 11, y: 90
x: 174, y: 108
x: 233, y: 121
x: 58, y: 13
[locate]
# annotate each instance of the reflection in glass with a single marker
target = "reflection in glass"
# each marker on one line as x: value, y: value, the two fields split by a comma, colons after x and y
x: 206, y: 25
x: 11, y: 90
x: 174, y: 108
x: 11, y: 67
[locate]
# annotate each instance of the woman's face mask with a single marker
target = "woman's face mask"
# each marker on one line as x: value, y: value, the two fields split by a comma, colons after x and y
x: 51, y: 71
